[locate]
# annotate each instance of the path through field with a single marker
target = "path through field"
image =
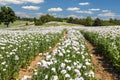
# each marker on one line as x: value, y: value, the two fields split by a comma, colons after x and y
x: 103, y: 70
x: 33, y: 65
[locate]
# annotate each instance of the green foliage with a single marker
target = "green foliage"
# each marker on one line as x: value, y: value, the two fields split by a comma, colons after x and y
x: 38, y: 22
x: 60, y: 19
x: 26, y: 23
x: 70, y: 20
x: 0, y: 18
x: 46, y: 18
x: 88, y: 21
x: 7, y: 15
x: 106, y: 23
x: 97, y: 22
x: 114, y: 21
x: 43, y: 19
x: 83, y: 21
x: 105, y: 45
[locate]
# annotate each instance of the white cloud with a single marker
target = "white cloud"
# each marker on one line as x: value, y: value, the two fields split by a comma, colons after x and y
x: 73, y: 9
x: 55, y: 9
x: 75, y: 16
x: 53, y: 14
x: 81, y: 17
x: 29, y: 15
x: 10, y: 2
x: 22, y: 14
x: 20, y: 1
x: 94, y: 9
x: 85, y: 12
x: 84, y: 3
x: 107, y: 14
x: 34, y: 1
x: 39, y: 13
x: 105, y: 10
x: 31, y: 7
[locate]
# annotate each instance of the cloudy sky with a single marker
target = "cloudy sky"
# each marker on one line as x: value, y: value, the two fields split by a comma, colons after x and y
x: 103, y: 9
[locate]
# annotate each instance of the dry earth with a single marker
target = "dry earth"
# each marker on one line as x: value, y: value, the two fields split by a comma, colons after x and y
x: 103, y: 70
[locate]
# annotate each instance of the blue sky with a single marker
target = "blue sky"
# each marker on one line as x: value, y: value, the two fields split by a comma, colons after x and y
x: 103, y: 9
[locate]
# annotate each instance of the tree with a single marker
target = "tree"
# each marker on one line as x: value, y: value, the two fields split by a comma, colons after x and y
x: 0, y: 16
x: 70, y: 20
x: 88, y: 21
x: 97, y: 22
x: 35, y: 19
x: 7, y: 15
x: 82, y: 21
x: 111, y: 20
x: 38, y: 22
x: 46, y: 18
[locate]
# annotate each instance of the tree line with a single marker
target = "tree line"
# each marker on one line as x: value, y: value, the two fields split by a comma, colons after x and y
x: 94, y: 22
x: 7, y: 16
x: 88, y: 21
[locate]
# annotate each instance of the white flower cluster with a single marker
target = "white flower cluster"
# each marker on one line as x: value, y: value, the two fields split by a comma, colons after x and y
x: 18, y: 47
x: 70, y: 60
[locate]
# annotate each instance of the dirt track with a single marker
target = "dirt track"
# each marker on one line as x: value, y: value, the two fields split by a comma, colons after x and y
x: 103, y: 70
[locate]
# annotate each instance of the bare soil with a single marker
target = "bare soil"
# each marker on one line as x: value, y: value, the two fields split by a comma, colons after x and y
x: 103, y: 70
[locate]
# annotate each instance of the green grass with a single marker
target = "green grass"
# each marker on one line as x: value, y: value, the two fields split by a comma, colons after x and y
x: 59, y: 24
x: 21, y: 25
x: 17, y: 23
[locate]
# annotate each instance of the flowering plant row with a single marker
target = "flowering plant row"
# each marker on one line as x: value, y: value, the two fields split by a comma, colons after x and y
x: 107, y: 42
x: 18, y: 48
x: 69, y: 61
